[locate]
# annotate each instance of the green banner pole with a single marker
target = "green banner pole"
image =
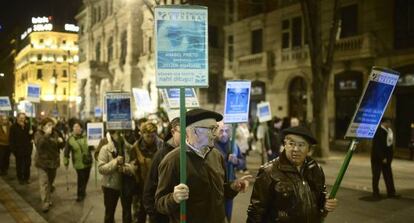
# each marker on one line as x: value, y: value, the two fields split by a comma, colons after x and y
x: 183, y: 155
x: 230, y: 168
x: 344, y: 166
x: 96, y: 173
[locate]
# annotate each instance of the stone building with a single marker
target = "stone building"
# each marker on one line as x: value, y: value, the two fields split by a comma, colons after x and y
x: 269, y: 46
x: 48, y: 56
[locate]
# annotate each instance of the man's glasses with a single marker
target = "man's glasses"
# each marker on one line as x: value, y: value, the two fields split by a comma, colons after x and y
x: 211, y: 129
x: 300, y: 145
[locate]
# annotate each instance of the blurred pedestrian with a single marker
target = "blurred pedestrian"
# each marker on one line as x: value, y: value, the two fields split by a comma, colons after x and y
x: 77, y: 148
x: 4, y: 145
x: 232, y: 158
x: 207, y: 187
x: 411, y: 142
x: 48, y: 145
x: 143, y: 152
x: 21, y: 145
x: 172, y: 141
x: 243, y: 137
x: 117, y: 169
x: 291, y: 188
x: 273, y: 140
x: 381, y: 158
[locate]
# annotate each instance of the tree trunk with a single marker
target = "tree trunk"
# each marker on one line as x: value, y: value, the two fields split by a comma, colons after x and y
x: 321, y: 69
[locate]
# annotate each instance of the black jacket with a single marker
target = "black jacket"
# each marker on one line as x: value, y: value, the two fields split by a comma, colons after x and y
x: 380, y: 150
x: 21, y: 140
x: 282, y: 194
x: 152, y: 183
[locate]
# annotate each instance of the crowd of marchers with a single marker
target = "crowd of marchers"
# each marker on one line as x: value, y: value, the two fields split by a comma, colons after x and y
x: 141, y: 167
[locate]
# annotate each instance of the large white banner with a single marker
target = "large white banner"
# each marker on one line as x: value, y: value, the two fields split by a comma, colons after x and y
x: 181, y: 55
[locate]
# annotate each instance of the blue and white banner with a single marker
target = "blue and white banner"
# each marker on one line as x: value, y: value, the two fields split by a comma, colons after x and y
x: 142, y: 100
x: 98, y: 112
x: 181, y: 55
x: 5, y: 103
x: 95, y: 132
x: 237, y: 101
x: 372, y: 104
x: 117, y: 108
x: 172, y: 97
x: 33, y: 93
x: 263, y: 112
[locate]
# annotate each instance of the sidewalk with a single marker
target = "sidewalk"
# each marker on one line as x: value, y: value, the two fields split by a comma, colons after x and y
x: 14, y: 209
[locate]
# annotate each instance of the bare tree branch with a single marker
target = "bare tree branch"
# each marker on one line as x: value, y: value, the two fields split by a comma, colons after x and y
x: 332, y: 39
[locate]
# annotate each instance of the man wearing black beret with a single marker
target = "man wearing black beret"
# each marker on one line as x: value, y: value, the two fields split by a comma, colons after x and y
x: 291, y: 188
x: 206, y: 188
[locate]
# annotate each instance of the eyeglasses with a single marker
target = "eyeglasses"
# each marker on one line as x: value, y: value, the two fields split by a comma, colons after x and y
x: 211, y: 129
x: 299, y: 145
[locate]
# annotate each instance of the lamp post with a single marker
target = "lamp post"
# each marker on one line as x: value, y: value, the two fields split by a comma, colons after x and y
x: 69, y: 90
x: 53, y: 81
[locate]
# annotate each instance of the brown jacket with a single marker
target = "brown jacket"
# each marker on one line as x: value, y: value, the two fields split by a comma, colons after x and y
x: 4, y: 136
x: 206, y: 179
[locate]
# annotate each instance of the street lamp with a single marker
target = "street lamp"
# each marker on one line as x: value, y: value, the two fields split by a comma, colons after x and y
x: 1, y: 74
x: 53, y: 81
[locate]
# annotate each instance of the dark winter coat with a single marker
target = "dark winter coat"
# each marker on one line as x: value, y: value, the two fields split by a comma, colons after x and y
x: 206, y: 180
x: 47, y: 150
x: 21, y: 140
x: 282, y: 194
x: 380, y: 150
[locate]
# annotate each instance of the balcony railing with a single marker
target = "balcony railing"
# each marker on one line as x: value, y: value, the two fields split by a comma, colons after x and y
x: 254, y: 63
x: 361, y: 46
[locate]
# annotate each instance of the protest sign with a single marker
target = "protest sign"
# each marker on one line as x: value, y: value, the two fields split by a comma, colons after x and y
x: 237, y: 101
x: 172, y: 97
x: 5, y: 104
x: 98, y: 112
x: 117, y: 108
x: 33, y: 93
x: 372, y: 104
x: 181, y: 56
x: 142, y: 100
x: 95, y: 132
x: 263, y: 112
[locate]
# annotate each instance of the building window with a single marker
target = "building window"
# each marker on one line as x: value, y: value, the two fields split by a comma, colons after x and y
x: 349, y: 21
x: 404, y: 25
x: 64, y: 91
x: 230, y: 49
x: 39, y: 57
x: 39, y: 75
x: 110, y: 48
x: 285, y: 33
x: 123, y: 47
x: 41, y: 41
x: 64, y: 42
x: 99, y: 14
x: 257, y: 41
x: 65, y: 73
x: 213, y: 36
x: 296, y: 32
x: 64, y: 57
x: 93, y: 15
x: 111, y: 6
x: 98, y: 52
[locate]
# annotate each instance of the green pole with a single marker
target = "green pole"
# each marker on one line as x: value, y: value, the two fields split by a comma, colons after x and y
x: 96, y: 173
x: 230, y: 168
x: 344, y: 166
x: 183, y: 155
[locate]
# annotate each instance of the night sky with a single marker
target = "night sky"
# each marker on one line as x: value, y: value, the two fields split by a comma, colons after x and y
x: 15, y: 18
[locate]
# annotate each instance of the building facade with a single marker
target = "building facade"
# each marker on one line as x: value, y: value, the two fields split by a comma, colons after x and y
x: 49, y: 59
x: 270, y: 47
x: 116, y: 42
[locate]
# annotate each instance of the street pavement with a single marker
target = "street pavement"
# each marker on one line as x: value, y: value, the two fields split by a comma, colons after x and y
x: 355, y: 203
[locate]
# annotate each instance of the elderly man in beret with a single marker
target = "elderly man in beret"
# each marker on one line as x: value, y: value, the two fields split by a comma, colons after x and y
x: 291, y: 188
x: 207, y: 188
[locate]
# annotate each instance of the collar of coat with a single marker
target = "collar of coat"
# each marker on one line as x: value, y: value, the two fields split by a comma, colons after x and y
x: 285, y: 165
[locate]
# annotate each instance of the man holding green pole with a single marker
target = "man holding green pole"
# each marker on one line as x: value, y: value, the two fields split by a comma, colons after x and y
x: 207, y: 187
x: 291, y: 188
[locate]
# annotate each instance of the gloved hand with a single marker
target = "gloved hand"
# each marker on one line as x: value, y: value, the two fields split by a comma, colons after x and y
x: 180, y: 193
x: 241, y: 184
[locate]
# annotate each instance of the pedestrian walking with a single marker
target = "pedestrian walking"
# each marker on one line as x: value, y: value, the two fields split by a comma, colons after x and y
x: 77, y: 148
x: 143, y: 152
x: 291, y: 188
x: 381, y: 158
x: 171, y: 141
x: 4, y: 145
x: 21, y: 146
x: 48, y: 145
x: 233, y: 158
x: 207, y: 187
x: 117, y: 169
